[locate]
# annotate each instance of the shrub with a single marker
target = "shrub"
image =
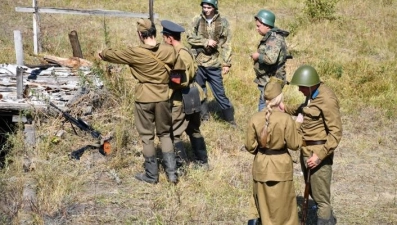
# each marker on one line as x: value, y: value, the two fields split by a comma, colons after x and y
x: 320, y: 9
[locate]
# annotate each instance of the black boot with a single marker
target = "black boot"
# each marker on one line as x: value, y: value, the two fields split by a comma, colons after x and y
x: 228, y: 114
x: 151, y: 174
x: 170, y: 166
x: 254, y: 222
x: 182, y: 161
x: 330, y: 221
x: 200, y: 152
x: 204, y: 111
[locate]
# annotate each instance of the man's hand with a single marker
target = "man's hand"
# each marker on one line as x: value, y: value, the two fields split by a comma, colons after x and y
x: 313, y: 161
x: 212, y: 43
x: 225, y: 69
x: 255, y: 56
x: 299, y: 118
x: 98, y: 55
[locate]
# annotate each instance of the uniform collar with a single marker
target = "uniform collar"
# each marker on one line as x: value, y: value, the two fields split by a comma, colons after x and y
x: 315, y: 93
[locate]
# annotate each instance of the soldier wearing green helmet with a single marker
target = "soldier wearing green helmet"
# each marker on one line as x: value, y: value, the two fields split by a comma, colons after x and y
x: 210, y: 43
x: 214, y: 3
x: 322, y: 131
x: 305, y: 76
x: 271, y: 54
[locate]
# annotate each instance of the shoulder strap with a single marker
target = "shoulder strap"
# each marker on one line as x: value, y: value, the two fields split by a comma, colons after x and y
x: 322, y: 115
x: 150, y: 54
x: 187, y: 50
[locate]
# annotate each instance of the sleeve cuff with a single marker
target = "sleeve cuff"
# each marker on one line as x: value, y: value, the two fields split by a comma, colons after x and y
x: 322, y: 154
x: 260, y: 58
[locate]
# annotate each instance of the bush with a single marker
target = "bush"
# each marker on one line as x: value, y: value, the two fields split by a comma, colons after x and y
x: 320, y: 9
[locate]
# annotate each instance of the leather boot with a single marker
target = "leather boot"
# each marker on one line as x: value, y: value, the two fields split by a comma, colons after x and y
x: 330, y: 221
x: 200, y: 152
x: 204, y: 111
x: 182, y: 160
x: 170, y: 166
x: 228, y: 114
x: 151, y: 174
x: 254, y: 222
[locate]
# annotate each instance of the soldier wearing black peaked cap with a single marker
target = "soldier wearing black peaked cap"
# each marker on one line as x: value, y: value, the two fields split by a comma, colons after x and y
x: 186, y: 101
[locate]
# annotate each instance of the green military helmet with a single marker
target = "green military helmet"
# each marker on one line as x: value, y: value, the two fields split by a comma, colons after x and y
x: 266, y: 17
x: 212, y: 2
x: 305, y: 76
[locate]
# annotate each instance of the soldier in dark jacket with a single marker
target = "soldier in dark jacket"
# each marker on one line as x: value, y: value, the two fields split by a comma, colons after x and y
x: 148, y: 63
x: 270, y: 58
x: 210, y: 41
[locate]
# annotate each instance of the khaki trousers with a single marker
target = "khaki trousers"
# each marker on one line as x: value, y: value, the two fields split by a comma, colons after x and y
x: 151, y: 118
x: 320, y: 181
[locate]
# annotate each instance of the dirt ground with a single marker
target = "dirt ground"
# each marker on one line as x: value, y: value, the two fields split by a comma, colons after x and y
x: 364, y: 187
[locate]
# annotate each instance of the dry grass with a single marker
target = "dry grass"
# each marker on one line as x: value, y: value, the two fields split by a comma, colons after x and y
x: 354, y: 53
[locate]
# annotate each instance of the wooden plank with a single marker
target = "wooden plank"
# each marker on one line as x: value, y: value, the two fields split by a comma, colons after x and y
x: 36, y: 29
x: 84, y: 12
x: 18, y: 47
x: 19, y: 83
x: 20, y: 106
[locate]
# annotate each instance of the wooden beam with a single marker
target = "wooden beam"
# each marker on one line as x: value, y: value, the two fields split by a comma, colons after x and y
x: 36, y: 29
x: 84, y: 12
x: 18, y: 47
x: 151, y: 10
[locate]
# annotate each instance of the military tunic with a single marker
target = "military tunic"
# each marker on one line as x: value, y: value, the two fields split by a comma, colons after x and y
x: 272, y: 51
x: 152, y: 106
x: 218, y: 30
x: 180, y: 121
x: 273, y: 187
x: 322, y: 122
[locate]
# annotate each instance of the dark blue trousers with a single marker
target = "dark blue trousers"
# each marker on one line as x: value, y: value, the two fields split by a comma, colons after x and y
x: 213, y: 75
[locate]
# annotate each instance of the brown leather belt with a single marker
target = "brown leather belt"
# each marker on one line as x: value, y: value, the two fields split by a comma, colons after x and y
x: 308, y: 143
x: 268, y: 151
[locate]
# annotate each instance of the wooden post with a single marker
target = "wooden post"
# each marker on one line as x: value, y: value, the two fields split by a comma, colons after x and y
x: 74, y: 41
x: 36, y: 28
x: 18, y: 47
x: 151, y: 10
x: 19, y: 82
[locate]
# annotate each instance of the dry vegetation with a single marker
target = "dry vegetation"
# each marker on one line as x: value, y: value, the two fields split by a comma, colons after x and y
x: 354, y: 50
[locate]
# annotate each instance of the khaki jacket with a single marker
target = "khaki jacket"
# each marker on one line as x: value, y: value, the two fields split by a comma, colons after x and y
x: 153, y: 78
x: 282, y: 133
x: 313, y: 127
x: 187, y: 80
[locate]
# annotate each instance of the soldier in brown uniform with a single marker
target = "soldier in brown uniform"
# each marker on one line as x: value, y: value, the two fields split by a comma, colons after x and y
x: 210, y: 41
x: 186, y: 101
x: 322, y: 132
x: 270, y: 134
x: 149, y: 63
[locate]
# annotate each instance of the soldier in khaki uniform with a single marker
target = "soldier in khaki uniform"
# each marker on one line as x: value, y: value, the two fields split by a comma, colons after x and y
x: 271, y: 55
x: 322, y: 132
x: 185, y: 119
x: 270, y: 133
x: 210, y: 41
x: 148, y: 63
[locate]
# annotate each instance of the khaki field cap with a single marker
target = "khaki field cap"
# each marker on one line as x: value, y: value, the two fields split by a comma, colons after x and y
x: 272, y: 90
x: 144, y: 24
